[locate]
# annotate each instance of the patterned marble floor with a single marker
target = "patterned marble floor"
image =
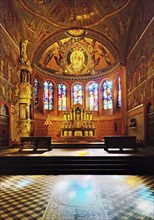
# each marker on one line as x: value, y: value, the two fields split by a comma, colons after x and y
x: 77, y: 197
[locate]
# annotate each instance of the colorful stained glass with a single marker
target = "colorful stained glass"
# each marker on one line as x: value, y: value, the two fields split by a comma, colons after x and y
x: 77, y: 94
x: 61, y: 97
x: 119, y: 93
x: 107, y: 95
x: 36, y: 89
x: 93, y: 96
x: 48, y: 95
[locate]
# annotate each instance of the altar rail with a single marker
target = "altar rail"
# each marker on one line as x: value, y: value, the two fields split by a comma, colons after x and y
x: 36, y: 142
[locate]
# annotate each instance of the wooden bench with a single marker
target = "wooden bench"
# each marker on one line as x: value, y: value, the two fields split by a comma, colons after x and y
x: 36, y: 142
x: 120, y: 142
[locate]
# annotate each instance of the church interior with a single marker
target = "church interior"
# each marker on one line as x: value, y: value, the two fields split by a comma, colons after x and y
x: 77, y: 109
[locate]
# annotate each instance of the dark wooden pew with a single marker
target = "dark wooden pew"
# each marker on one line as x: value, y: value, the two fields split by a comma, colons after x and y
x: 120, y: 142
x: 36, y: 142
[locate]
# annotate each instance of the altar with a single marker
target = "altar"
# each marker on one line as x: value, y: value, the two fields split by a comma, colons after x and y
x: 78, y: 123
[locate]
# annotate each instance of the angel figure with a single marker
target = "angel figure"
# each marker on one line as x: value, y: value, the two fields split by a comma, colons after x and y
x: 59, y: 62
x: 48, y: 57
x: 104, y: 55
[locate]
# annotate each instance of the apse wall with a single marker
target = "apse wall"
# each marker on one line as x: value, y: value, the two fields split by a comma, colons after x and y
x: 106, y: 122
x: 9, y: 53
x: 140, y: 85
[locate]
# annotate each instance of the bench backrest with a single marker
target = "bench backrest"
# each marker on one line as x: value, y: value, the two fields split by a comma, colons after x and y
x: 27, y: 139
x: 36, y: 140
x: 120, y: 141
x: 43, y: 140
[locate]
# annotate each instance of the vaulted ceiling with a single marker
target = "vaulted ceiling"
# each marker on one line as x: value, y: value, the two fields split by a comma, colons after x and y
x: 70, y: 36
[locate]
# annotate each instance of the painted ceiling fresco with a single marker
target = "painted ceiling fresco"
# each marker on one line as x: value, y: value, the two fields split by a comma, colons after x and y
x: 82, y: 12
x: 35, y: 20
x: 75, y: 52
x: 76, y: 55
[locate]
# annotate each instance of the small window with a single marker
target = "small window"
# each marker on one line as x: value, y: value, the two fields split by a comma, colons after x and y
x: 61, y: 97
x: 77, y: 94
x: 107, y: 95
x: 93, y: 96
x: 48, y: 95
x: 119, y: 92
x: 36, y: 90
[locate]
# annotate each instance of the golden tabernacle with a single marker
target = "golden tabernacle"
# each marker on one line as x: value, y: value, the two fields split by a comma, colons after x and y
x: 78, y: 122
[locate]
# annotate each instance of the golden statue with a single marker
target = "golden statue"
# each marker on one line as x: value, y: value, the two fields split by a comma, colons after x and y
x: 23, y: 51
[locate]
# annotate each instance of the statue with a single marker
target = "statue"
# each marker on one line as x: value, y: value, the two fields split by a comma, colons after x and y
x: 23, y: 51
x: 17, y: 90
x: 25, y: 68
x: 78, y: 113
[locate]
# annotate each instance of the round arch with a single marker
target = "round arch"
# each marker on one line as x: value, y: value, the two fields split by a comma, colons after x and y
x: 4, y: 125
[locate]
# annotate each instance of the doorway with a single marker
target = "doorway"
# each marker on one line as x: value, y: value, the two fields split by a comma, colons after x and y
x: 150, y: 125
x: 4, y: 126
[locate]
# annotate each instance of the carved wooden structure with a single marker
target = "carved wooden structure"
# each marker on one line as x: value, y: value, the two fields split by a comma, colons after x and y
x: 78, y: 123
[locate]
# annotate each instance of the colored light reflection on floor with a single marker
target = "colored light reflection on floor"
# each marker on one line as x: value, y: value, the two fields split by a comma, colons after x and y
x: 84, y: 197
x: 77, y: 192
x: 101, y: 198
x: 82, y: 153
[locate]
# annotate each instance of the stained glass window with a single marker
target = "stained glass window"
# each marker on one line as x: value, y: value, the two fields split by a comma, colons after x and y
x: 93, y: 96
x: 77, y: 94
x: 36, y: 89
x: 48, y: 95
x: 119, y: 93
x: 107, y: 95
x: 61, y: 97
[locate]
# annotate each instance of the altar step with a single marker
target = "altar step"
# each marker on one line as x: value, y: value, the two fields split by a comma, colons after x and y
x: 16, y: 165
x: 78, y: 145
x: 77, y: 139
